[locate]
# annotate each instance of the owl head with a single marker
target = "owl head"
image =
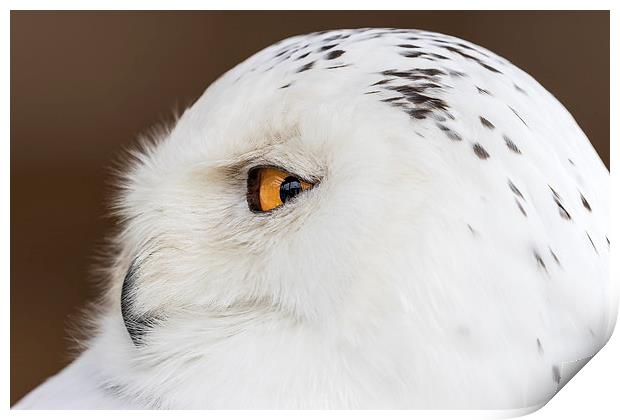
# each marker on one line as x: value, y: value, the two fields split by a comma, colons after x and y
x: 339, y: 221
x: 290, y: 190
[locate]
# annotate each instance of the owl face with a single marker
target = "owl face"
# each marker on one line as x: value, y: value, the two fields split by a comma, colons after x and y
x: 276, y: 201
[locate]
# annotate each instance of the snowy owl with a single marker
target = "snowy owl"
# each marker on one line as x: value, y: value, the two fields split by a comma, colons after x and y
x: 367, y: 218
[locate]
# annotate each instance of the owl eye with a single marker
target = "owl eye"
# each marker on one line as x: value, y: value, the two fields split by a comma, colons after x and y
x: 269, y: 188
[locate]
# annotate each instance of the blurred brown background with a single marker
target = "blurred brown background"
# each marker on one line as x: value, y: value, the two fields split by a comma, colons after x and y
x: 84, y: 84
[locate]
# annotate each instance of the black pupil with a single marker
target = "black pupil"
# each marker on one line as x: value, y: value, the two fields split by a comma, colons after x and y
x: 289, y: 188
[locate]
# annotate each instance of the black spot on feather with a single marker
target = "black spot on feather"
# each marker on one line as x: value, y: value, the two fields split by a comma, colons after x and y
x: 541, y: 351
x: 563, y: 212
x: 511, y: 145
x: 334, y: 54
x: 519, y: 89
x: 515, y: 190
x: 486, y: 66
x: 518, y: 116
x: 592, y: 242
x: 455, y: 73
x: 429, y: 85
x: 585, y: 202
x: 332, y: 38
x: 438, y: 56
x: 422, y: 54
x: 555, y: 257
x: 336, y: 37
x: 520, y: 207
x: 327, y: 47
x: 430, y: 72
x: 471, y: 57
x: 396, y: 73
x: 418, y: 99
x: 412, y: 54
x: 305, y: 67
x: 337, y: 67
x: 395, y: 98
x: 451, y: 134
x: 413, y: 95
x: 418, y: 114
x: 486, y: 123
x: 558, y: 201
x: 480, y: 151
x: 540, y: 261
x: 382, y: 82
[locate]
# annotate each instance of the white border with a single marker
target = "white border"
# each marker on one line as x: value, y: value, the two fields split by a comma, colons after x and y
x: 593, y: 393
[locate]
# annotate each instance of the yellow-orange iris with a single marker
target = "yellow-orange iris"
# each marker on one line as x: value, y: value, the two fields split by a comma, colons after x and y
x: 268, y: 188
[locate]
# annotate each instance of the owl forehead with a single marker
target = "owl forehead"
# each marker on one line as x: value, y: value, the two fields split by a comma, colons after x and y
x: 409, y: 70
x: 424, y: 83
